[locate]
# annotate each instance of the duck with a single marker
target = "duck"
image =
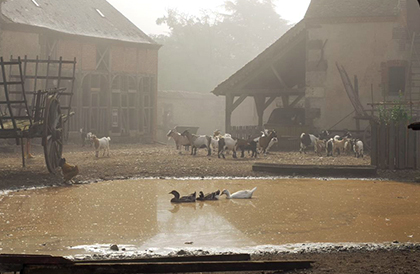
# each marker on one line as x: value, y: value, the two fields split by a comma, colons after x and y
x: 209, y: 196
x: 184, y: 199
x: 241, y: 194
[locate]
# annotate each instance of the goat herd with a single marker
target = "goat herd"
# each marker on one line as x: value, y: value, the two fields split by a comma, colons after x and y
x: 221, y: 143
x: 331, y: 145
x: 322, y: 143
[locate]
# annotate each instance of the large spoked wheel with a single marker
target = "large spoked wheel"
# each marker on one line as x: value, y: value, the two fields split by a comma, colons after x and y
x: 52, y: 139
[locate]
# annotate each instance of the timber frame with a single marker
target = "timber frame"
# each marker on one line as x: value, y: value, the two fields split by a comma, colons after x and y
x: 279, y: 71
x: 115, y: 87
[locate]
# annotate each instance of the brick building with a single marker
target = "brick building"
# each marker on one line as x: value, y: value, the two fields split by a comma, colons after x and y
x: 116, y: 73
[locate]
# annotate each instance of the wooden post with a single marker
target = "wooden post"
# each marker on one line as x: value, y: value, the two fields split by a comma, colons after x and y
x: 401, y: 145
x: 285, y: 99
x: 374, y: 144
x: 411, y: 145
x: 22, y: 145
x: 228, y: 116
x: 382, y: 146
x: 371, y: 95
x: 356, y: 91
x: 259, y: 103
x: 392, y: 147
x: 417, y: 150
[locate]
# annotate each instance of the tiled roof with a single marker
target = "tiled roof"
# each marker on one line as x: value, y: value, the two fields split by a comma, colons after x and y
x: 92, y: 18
x: 353, y: 8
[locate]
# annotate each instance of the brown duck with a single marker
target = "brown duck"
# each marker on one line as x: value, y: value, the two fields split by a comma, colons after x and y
x: 184, y: 199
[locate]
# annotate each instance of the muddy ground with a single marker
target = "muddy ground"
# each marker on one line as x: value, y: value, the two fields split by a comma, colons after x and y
x: 135, y: 160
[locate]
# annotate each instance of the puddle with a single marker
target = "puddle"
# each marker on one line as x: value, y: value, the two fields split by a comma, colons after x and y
x: 137, y: 215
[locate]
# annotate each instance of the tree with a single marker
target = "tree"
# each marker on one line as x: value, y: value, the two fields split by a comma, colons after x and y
x: 202, y: 51
x: 251, y: 26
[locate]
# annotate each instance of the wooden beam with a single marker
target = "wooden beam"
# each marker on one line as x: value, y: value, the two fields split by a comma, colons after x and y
x: 203, y: 258
x: 298, y: 98
x: 277, y: 51
x: 260, y: 104
x: 285, y: 99
x: 238, y: 101
x: 102, y: 55
x: 228, y: 114
x: 276, y: 73
x: 52, y: 47
x: 269, y: 92
x: 362, y: 171
x: 174, y: 267
x: 269, y: 101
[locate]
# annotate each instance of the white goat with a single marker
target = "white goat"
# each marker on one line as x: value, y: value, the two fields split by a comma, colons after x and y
x: 179, y: 139
x: 198, y: 141
x: 215, y: 139
x: 339, y: 144
x: 215, y: 143
x: 102, y: 143
x: 307, y: 140
x: 358, y: 149
x: 227, y: 143
x: 273, y: 141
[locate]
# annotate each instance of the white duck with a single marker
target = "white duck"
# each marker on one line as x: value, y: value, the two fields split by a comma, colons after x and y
x: 241, y: 194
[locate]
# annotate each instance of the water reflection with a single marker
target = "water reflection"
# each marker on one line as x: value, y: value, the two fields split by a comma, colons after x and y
x: 138, y: 213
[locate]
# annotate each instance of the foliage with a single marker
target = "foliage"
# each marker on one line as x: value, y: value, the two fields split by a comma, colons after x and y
x: 202, y: 51
x: 397, y: 113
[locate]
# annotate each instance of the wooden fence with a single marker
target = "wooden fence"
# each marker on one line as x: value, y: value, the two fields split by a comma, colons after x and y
x: 394, y: 146
x: 244, y: 132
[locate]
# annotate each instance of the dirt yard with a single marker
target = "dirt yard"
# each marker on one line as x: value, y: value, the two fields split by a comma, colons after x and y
x: 137, y: 160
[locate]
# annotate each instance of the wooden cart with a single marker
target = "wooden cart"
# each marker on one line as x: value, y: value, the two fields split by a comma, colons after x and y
x: 41, y: 117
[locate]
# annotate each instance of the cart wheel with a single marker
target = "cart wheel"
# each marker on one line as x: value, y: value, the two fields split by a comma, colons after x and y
x: 52, y: 139
x: 367, y: 137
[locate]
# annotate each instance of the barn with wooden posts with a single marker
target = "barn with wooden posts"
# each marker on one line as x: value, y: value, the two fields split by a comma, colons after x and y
x: 116, y: 73
x: 376, y: 45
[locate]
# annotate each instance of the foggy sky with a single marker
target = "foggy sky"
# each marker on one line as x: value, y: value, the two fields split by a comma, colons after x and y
x: 143, y: 13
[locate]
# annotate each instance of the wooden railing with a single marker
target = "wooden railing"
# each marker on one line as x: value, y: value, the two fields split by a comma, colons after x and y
x: 244, y: 132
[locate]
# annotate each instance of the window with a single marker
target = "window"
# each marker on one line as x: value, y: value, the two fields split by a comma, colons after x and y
x: 396, y: 80
x: 97, y: 10
x: 35, y: 3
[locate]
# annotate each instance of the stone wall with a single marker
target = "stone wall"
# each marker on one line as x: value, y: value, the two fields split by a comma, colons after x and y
x: 361, y: 48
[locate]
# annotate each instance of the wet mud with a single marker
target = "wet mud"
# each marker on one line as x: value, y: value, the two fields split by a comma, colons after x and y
x: 137, y: 215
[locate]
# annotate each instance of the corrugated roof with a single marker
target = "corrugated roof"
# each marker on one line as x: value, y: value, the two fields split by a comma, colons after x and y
x: 77, y: 17
x: 353, y: 8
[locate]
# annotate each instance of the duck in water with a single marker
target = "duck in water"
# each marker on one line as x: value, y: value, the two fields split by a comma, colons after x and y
x: 184, y: 199
x: 213, y: 196
x: 241, y: 194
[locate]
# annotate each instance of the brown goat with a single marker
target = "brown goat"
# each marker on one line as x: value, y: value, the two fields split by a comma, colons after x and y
x: 265, y: 140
